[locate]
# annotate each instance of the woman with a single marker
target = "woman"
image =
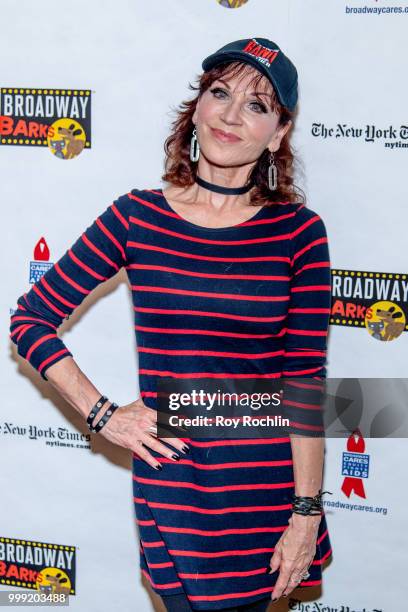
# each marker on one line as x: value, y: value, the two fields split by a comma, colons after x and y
x: 230, y: 278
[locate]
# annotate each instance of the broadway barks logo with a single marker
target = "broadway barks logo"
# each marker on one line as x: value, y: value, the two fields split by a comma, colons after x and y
x: 48, y: 568
x: 377, y: 301
x: 59, y: 119
x: 232, y: 3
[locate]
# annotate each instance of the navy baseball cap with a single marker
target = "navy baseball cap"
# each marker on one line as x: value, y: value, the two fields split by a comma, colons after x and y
x: 268, y: 58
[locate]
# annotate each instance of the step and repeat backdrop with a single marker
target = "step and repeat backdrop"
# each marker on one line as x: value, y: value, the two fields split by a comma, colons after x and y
x: 87, y: 92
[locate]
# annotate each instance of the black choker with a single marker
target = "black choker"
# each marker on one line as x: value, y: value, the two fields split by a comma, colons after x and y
x: 225, y: 190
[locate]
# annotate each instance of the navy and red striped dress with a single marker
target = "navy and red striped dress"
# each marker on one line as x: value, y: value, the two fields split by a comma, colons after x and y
x: 252, y: 300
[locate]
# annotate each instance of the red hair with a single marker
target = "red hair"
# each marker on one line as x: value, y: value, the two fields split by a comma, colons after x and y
x: 180, y: 171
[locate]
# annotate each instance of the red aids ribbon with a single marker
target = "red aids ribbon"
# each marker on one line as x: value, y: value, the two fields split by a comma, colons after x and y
x: 41, y: 251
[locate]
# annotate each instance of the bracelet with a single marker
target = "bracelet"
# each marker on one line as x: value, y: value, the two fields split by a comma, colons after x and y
x: 105, y: 418
x: 308, y: 506
x: 101, y: 401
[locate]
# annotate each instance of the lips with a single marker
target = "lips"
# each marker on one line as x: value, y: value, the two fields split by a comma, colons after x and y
x: 224, y: 136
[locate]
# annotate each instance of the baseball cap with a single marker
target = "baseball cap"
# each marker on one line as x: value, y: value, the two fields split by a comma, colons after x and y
x: 268, y: 58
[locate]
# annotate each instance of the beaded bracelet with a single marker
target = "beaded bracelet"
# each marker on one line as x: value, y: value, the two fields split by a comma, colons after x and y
x: 101, y: 401
x: 308, y: 506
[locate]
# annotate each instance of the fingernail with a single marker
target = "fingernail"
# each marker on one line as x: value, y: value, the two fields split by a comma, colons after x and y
x: 175, y: 457
x: 268, y: 570
x: 159, y: 467
x: 185, y: 449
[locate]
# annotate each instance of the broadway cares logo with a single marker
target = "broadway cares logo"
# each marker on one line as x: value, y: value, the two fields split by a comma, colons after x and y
x: 391, y: 137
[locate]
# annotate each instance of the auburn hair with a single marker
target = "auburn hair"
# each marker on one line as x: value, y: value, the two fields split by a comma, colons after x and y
x: 180, y: 171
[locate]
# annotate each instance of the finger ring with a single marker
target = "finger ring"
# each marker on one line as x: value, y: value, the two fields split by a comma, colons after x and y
x: 295, y: 579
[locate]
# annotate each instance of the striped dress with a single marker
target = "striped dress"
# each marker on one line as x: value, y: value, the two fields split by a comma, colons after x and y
x: 247, y: 301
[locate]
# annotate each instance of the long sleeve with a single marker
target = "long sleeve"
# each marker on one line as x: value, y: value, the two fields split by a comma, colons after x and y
x: 310, y: 298
x: 97, y: 255
x: 307, y: 322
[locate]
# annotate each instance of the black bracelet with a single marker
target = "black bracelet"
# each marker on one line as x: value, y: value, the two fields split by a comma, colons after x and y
x: 101, y: 401
x: 105, y: 417
x: 308, y: 506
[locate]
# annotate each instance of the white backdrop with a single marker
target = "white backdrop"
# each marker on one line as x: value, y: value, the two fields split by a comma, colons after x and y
x: 137, y: 58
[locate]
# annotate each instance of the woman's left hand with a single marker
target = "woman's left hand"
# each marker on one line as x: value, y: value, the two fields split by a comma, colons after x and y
x: 294, y: 553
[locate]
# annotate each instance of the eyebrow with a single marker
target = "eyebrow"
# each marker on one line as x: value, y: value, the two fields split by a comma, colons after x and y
x: 253, y: 93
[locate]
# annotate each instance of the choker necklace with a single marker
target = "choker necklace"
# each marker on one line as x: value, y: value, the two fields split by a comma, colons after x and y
x: 221, y: 189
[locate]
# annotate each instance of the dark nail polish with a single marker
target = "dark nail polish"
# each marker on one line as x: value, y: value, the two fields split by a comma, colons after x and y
x: 159, y: 467
x: 268, y: 570
x: 175, y: 457
x: 185, y: 449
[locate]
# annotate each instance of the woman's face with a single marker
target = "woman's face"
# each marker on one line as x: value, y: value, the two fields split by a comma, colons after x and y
x: 230, y: 106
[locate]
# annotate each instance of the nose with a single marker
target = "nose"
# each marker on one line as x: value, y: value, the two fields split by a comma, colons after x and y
x: 231, y: 112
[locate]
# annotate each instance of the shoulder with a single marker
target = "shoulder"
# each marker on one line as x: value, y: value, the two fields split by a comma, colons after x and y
x: 306, y: 219
x: 129, y: 202
x: 126, y: 198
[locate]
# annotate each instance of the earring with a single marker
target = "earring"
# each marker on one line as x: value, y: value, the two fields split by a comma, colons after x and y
x: 272, y: 172
x: 194, y: 147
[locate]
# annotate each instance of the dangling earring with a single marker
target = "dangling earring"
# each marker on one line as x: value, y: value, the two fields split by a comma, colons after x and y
x: 272, y: 172
x: 194, y: 147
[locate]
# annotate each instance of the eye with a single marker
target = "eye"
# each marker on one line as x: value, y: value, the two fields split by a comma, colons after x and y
x: 261, y: 107
x: 217, y: 90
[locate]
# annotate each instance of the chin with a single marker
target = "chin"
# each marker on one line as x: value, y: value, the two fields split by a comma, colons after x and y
x: 216, y: 154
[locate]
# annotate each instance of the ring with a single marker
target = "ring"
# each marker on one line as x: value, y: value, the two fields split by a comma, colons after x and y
x: 295, y: 580
x: 301, y: 577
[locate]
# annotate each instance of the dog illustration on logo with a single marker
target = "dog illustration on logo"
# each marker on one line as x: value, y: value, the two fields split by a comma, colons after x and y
x: 393, y: 328
x: 74, y: 146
